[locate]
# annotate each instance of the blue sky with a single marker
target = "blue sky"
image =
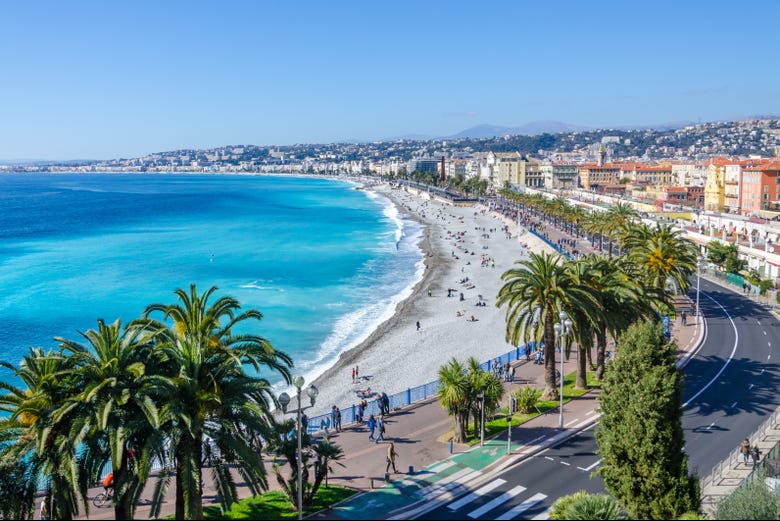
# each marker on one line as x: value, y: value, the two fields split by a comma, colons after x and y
x: 125, y: 78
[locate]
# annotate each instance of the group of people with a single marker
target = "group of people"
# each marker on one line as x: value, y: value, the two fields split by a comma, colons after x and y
x: 503, y: 371
x: 749, y: 451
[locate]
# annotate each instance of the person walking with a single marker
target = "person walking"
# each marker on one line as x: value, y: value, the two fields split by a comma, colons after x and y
x: 391, y: 456
x: 333, y: 417
x: 756, y: 453
x: 684, y: 317
x: 380, y: 427
x: 371, y: 427
x: 337, y: 425
x: 744, y: 448
x: 418, y: 325
x: 360, y: 411
x: 45, y: 510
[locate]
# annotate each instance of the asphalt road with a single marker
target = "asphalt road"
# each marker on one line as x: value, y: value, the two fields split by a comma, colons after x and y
x: 729, y: 389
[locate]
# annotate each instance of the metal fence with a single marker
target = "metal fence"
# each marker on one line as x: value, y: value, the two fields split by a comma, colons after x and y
x: 548, y: 241
x: 317, y: 424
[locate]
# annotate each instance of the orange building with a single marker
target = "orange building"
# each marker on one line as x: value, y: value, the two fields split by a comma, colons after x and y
x: 760, y: 187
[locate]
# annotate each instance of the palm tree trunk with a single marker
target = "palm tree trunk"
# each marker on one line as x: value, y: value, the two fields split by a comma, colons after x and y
x: 582, y: 379
x: 589, y: 354
x: 601, y: 349
x: 550, y: 389
x: 179, y: 481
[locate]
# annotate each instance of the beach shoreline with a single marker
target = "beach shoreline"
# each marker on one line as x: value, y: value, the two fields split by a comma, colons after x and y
x: 459, y: 242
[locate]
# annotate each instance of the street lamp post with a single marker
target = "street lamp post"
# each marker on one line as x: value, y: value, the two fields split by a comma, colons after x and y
x: 509, y: 430
x: 698, y: 280
x: 562, y: 329
x: 481, y: 396
x: 284, y: 400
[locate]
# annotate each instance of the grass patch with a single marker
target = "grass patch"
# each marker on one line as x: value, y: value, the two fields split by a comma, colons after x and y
x: 275, y: 505
x: 498, y: 424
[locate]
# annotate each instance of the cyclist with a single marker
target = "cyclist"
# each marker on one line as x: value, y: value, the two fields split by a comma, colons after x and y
x: 108, y: 482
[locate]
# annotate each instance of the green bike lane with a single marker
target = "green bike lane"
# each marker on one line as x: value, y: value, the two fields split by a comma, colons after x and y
x: 422, y: 485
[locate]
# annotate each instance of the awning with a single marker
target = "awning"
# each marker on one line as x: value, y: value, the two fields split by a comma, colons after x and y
x: 768, y: 214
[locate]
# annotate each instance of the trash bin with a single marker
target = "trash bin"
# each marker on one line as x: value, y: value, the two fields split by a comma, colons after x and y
x: 411, y: 469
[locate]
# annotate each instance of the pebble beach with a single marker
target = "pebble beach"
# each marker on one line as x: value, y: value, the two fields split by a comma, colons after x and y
x: 467, y: 248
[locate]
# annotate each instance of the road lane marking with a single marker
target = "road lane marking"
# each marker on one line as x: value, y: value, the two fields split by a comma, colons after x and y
x: 710, y: 426
x: 500, y: 500
x: 573, y: 421
x: 764, y: 333
x: 590, y: 467
x: 544, y: 515
x: 728, y: 361
x: 522, y: 507
x: 549, y: 458
x: 565, y: 463
x: 750, y: 386
x: 733, y: 405
x: 438, y: 468
x: 543, y: 436
x: 474, y: 495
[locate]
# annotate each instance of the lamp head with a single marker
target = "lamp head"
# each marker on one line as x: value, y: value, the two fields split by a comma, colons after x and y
x: 563, y: 316
x: 568, y: 323
x: 284, y: 401
x: 557, y: 327
x: 298, y: 382
x: 312, y: 391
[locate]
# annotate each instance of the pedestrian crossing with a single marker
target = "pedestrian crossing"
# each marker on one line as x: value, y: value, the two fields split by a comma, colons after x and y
x: 500, y: 500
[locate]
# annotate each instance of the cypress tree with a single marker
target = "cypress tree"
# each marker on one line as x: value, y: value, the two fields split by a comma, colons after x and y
x: 640, y: 434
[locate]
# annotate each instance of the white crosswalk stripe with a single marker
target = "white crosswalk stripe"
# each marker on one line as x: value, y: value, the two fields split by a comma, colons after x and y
x: 500, y: 500
x: 474, y: 495
x: 522, y: 507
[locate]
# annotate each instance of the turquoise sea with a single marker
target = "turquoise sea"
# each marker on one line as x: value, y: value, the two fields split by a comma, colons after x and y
x: 325, y: 263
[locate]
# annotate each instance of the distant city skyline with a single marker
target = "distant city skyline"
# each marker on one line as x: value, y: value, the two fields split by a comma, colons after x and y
x: 101, y: 80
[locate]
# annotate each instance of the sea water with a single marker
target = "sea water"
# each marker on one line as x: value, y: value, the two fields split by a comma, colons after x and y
x: 323, y: 261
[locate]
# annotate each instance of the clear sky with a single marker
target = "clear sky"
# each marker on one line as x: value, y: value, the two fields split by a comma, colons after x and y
x: 110, y: 79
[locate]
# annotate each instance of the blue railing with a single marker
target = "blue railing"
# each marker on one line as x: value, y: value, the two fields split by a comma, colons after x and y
x: 548, y: 241
x: 410, y: 395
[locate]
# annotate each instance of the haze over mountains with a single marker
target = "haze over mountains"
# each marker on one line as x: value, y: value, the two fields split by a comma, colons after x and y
x: 535, y: 128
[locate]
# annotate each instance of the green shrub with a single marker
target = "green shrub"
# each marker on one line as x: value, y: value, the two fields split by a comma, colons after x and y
x: 526, y: 398
x: 582, y: 505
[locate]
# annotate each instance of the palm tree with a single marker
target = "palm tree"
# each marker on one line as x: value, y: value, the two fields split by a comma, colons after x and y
x: 326, y: 453
x: 115, y: 408
x: 621, y: 215
x: 622, y: 300
x: 582, y: 505
x: 486, y: 384
x: 662, y: 252
x: 541, y: 282
x: 210, y: 402
x: 29, y: 433
x: 587, y: 319
x: 454, y: 396
x: 596, y: 225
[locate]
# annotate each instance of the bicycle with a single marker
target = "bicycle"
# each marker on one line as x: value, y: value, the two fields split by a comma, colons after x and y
x: 100, y: 499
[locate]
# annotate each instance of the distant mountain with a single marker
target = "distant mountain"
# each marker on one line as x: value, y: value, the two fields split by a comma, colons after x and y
x: 529, y: 129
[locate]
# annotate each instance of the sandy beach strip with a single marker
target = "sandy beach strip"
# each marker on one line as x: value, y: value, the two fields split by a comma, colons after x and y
x: 397, y: 355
